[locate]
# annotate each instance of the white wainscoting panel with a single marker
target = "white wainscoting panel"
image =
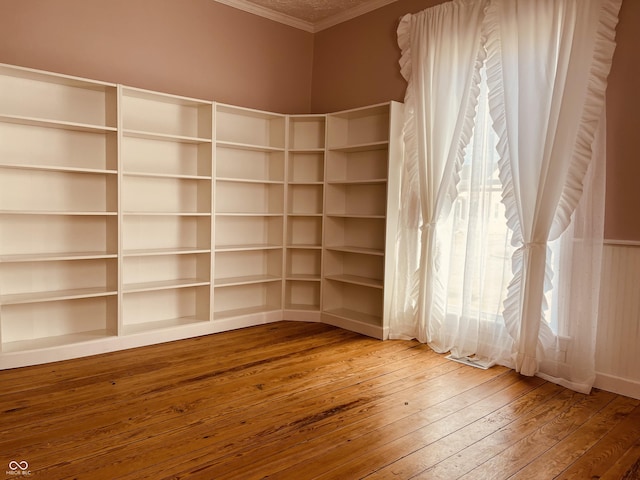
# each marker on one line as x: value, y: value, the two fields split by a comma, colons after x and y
x: 618, y: 341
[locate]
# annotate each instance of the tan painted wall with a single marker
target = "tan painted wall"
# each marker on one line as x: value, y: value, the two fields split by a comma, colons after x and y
x: 356, y: 63
x: 623, y: 129
x: 197, y: 48
x: 204, y: 49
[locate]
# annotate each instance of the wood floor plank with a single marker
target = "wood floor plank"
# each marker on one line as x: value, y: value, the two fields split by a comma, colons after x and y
x: 157, y: 397
x: 127, y: 397
x: 243, y: 428
x: 298, y: 401
x: 611, y: 446
x: 624, y: 464
x: 363, y: 443
x: 559, y: 455
x: 424, y: 449
x: 385, y: 420
x: 153, y: 378
x: 84, y: 373
x: 21, y: 379
x: 215, y: 410
x: 510, y: 450
x: 342, y: 427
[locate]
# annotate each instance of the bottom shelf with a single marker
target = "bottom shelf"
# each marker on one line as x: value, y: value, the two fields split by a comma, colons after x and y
x: 56, y: 323
x: 161, y: 325
x: 359, y: 322
x: 245, y: 312
x: 302, y: 295
x: 356, y: 316
x: 301, y: 312
x: 302, y: 307
x: 56, y: 341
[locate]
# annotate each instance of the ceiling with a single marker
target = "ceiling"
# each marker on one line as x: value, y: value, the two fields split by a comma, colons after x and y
x: 309, y: 15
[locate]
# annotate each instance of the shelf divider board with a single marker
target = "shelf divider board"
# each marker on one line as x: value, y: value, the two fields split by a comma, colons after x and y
x: 38, y: 297
x: 61, y: 124
x: 165, y: 285
x: 165, y: 136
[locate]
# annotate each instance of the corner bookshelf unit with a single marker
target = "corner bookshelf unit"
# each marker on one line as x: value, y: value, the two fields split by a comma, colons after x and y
x: 361, y: 194
x: 130, y: 217
x: 249, y: 215
x: 304, y: 225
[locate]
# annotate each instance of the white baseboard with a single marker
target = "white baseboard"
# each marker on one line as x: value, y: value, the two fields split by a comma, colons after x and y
x: 621, y: 386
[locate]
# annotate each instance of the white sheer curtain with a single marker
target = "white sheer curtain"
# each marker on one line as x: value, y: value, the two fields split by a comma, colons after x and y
x: 547, y: 64
x: 441, y: 58
x: 546, y: 68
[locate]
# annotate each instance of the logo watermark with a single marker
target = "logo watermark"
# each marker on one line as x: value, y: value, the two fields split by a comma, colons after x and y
x: 19, y: 468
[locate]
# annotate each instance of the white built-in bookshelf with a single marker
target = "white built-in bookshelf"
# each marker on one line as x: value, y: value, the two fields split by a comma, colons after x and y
x: 249, y: 215
x: 130, y: 217
x: 304, y: 221
x: 165, y: 210
x: 58, y: 210
x: 360, y: 145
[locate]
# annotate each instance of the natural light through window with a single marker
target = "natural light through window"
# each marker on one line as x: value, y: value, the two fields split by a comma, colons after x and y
x: 479, y: 264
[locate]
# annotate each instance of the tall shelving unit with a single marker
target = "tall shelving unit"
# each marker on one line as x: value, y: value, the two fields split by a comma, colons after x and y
x: 249, y: 215
x: 361, y: 195
x: 58, y: 210
x: 304, y: 223
x: 130, y: 217
x: 166, y: 210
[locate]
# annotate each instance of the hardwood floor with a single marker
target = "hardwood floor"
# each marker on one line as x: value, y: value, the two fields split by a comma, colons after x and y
x: 300, y: 401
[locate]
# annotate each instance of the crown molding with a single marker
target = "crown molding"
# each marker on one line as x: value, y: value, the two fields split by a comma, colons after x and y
x: 350, y: 14
x: 269, y: 14
x: 302, y: 24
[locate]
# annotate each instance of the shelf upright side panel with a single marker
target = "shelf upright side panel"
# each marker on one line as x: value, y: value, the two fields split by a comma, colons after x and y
x: 120, y: 167
x: 207, y: 157
x: 396, y: 153
x: 323, y: 227
x: 214, y: 207
x: 289, y: 138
